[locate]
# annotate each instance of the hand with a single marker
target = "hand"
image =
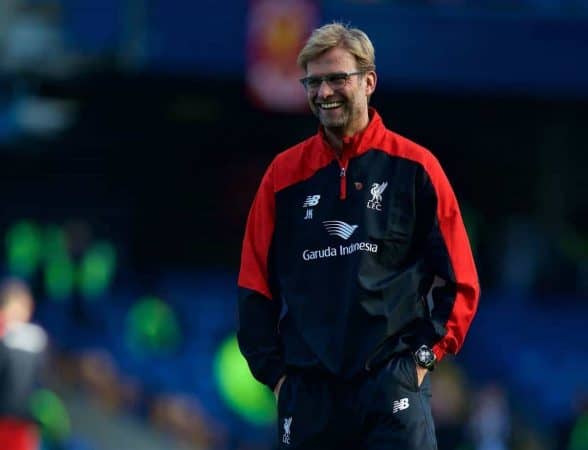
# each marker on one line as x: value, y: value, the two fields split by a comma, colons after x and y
x: 279, y: 386
x: 421, y: 372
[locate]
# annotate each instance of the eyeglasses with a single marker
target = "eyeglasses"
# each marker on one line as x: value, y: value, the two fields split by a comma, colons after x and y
x: 334, y: 80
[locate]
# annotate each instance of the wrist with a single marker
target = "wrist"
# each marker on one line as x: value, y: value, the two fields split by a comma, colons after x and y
x: 425, y: 358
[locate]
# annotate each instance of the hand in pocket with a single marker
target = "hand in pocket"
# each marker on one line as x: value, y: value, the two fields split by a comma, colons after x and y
x: 279, y: 386
x: 421, y: 373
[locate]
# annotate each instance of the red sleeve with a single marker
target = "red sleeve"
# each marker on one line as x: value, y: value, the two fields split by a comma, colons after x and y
x: 455, y: 303
x: 257, y: 333
x: 253, y: 273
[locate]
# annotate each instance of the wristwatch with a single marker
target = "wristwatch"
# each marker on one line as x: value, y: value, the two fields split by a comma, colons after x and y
x: 425, y: 357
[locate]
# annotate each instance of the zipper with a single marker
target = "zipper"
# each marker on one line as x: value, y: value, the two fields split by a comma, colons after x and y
x: 343, y: 180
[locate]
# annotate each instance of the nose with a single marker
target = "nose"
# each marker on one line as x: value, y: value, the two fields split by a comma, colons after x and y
x: 324, y: 90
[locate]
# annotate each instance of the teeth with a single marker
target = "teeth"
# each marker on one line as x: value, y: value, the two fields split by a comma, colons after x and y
x: 331, y: 105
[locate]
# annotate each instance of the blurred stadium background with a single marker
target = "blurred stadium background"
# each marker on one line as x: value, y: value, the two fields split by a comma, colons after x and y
x: 133, y: 134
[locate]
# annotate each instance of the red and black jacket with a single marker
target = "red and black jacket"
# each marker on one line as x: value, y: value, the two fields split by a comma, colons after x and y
x: 348, y: 261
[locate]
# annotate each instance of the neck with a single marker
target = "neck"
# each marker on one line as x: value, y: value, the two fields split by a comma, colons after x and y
x: 335, y: 135
x: 335, y: 139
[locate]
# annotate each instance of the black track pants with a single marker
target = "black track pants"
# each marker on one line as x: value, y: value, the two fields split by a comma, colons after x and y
x: 385, y: 410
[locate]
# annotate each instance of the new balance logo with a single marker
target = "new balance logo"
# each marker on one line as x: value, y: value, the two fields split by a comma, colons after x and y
x: 311, y: 200
x: 400, y: 405
x: 339, y: 228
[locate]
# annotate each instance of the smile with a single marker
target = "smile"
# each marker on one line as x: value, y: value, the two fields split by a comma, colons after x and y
x: 330, y: 105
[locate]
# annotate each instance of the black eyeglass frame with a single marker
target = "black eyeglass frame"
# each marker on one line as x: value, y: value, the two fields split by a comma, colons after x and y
x: 328, y: 78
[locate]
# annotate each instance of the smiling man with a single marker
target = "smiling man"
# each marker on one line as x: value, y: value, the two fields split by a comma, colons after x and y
x: 334, y: 97
x: 356, y: 275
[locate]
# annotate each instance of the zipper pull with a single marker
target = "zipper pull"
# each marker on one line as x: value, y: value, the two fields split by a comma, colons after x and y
x: 342, y: 173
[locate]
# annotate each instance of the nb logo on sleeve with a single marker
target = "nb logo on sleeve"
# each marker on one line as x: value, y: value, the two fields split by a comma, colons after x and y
x: 400, y: 405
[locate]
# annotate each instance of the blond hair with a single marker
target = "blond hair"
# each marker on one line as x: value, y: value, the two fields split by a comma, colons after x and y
x: 334, y: 35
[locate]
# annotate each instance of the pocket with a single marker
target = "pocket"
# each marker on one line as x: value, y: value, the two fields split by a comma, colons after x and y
x: 283, y: 393
x: 415, y: 373
x: 403, y: 369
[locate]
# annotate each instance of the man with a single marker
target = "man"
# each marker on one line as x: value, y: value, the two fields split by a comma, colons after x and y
x: 356, y: 274
x: 22, y: 346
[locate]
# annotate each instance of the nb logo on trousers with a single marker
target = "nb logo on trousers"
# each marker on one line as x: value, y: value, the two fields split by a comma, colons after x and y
x: 400, y: 405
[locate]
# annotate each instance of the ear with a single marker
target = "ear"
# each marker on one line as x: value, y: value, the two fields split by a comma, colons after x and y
x: 371, y: 79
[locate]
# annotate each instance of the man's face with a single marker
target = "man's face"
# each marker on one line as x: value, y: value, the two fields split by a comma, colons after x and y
x: 18, y: 308
x: 342, y: 109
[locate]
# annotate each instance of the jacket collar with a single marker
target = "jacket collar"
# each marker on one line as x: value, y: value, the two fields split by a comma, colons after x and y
x: 360, y: 141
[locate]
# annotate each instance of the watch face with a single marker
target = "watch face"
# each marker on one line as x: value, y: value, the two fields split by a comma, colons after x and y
x: 425, y: 356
